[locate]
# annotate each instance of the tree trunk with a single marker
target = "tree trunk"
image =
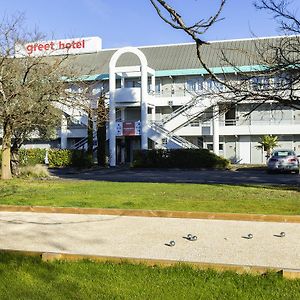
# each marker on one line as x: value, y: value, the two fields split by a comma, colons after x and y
x: 6, y: 144
x: 90, y: 139
x: 101, y: 132
x: 101, y: 137
x: 15, y: 158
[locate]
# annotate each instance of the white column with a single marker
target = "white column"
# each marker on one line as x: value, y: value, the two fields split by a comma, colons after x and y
x: 112, y: 118
x: 153, y: 83
x: 123, y: 138
x: 122, y: 81
x: 216, y: 125
x: 144, y: 95
x: 153, y: 112
x: 63, y: 132
x: 144, y: 107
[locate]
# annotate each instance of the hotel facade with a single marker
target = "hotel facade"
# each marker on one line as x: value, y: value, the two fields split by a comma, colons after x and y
x: 161, y: 97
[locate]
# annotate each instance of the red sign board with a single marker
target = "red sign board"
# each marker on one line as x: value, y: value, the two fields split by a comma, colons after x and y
x: 128, y: 128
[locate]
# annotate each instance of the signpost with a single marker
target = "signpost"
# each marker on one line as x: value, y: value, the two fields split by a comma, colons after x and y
x: 128, y: 128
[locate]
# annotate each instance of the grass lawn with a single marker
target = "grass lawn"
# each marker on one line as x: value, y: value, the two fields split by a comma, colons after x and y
x: 24, y: 277
x: 156, y: 196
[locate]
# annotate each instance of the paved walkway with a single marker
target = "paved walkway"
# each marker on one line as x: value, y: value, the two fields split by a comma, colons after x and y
x: 218, y: 241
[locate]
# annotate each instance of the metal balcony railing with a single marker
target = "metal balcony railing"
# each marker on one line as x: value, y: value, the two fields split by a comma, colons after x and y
x: 249, y: 122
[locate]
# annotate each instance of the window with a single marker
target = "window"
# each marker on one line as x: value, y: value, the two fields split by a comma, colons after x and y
x: 230, y: 117
x: 282, y: 81
x: 210, y: 147
x: 131, y: 83
x: 200, y: 142
x: 157, y: 86
x: 284, y: 153
x: 194, y: 84
x: 212, y: 85
x: 74, y: 88
x: 164, y: 141
x: 260, y: 83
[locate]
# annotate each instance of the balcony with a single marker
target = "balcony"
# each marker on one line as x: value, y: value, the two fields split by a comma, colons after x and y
x: 128, y: 95
x: 251, y: 122
x: 242, y: 127
x: 259, y: 127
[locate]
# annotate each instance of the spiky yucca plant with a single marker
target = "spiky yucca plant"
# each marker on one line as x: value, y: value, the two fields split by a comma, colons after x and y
x: 268, y: 143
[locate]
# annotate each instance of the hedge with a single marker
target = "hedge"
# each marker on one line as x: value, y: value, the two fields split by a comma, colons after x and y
x: 56, y: 157
x: 30, y: 157
x: 178, y: 158
x: 65, y: 158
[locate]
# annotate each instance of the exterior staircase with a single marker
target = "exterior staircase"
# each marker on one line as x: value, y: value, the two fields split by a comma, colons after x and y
x: 163, y: 132
x: 166, y: 139
x: 187, y: 112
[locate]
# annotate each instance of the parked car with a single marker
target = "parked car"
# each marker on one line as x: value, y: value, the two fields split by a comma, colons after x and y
x: 283, y: 161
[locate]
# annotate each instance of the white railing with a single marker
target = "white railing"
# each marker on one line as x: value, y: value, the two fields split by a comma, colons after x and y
x: 249, y: 122
x: 179, y: 111
x: 82, y: 144
x: 175, y: 138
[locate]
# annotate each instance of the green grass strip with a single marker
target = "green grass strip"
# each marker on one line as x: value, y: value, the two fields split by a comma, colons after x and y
x: 23, y: 277
x: 152, y: 196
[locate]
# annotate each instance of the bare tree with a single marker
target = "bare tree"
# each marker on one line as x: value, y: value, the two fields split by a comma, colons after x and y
x: 95, y: 106
x: 277, y: 78
x: 29, y: 89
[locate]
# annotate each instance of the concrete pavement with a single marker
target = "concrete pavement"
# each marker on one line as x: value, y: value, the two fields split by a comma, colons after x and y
x: 219, y: 241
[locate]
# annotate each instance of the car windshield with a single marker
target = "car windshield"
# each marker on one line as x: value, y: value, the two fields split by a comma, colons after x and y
x: 283, y: 153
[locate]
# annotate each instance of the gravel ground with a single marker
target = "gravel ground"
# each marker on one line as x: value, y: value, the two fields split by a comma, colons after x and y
x: 217, y: 241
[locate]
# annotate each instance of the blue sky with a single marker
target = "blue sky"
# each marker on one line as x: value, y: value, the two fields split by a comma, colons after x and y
x: 134, y: 22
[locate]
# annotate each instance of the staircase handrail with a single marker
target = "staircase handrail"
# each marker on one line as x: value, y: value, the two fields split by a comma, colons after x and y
x: 195, y: 99
x: 83, y: 142
x: 181, y: 141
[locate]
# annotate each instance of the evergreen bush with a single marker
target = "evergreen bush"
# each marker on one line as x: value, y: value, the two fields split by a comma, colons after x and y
x: 178, y: 158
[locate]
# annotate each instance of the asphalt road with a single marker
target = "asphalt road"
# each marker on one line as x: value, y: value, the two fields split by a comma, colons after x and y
x: 240, y: 177
x: 224, y: 242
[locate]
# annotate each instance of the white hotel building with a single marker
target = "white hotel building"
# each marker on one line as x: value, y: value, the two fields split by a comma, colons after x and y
x: 152, y: 103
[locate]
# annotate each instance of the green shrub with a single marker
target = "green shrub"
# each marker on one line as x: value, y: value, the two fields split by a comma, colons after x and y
x: 59, y: 158
x: 66, y: 158
x: 178, y: 158
x: 81, y: 159
x: 31, y: 157
x: 56, y: 158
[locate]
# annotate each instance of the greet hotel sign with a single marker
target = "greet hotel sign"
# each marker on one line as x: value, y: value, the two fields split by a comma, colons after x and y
x: 60, y: 47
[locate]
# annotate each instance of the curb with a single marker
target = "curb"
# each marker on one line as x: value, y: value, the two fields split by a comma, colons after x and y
x: 239, y: 269
x: 153, y: 213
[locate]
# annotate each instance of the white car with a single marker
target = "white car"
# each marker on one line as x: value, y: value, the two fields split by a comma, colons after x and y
x: 283, y: 161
